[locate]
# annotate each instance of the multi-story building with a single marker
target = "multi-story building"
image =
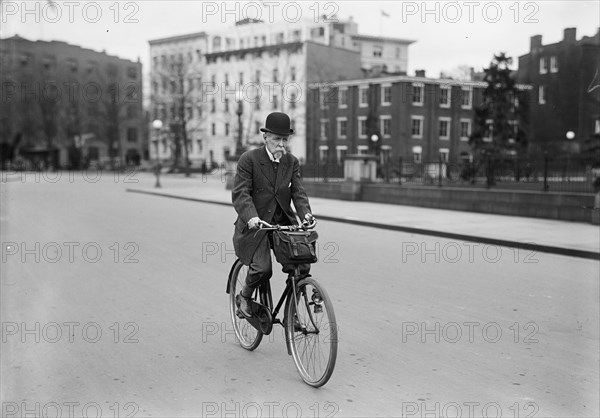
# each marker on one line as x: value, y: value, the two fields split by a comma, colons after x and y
x: 255, y: 68
x: 566, y: 81
x: 416, y: 119
x: 176, y: 85
x: 63, y: 104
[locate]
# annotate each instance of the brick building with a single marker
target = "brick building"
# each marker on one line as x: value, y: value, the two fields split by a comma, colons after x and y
x: 566, y: 81
x: 67, y: 105
x: 417, y: 119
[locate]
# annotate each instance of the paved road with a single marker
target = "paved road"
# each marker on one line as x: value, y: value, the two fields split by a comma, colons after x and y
x: 124, y: 312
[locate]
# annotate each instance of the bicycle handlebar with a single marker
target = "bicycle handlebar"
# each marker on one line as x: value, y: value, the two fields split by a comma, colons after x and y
x: 265, y: 226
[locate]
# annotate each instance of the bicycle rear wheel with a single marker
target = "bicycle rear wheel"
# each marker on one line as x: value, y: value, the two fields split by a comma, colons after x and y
x: 248, y: 336
x: 312, y: 332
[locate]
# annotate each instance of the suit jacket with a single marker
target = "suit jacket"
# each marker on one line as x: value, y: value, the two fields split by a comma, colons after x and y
x: 257, y: 191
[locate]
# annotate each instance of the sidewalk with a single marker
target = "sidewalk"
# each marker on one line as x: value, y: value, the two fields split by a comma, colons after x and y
x: 543, y: 235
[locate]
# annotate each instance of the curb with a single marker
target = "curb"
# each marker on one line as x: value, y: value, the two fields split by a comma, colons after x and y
x: 548, y: 249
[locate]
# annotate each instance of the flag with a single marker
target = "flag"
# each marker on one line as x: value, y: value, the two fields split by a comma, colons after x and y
x: 384, y: 14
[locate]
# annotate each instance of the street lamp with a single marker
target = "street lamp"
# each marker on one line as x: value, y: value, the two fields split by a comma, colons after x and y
x: 157, y: 126
x: 570, y: 136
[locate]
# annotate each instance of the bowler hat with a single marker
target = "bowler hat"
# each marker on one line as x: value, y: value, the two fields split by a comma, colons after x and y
x: 278, y: 123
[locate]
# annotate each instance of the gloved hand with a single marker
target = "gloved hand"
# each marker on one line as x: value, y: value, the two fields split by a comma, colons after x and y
x: 254, y: 223
x: 308, y: 218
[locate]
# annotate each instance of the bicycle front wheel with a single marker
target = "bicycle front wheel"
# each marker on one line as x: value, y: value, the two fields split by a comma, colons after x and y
x: 248, y: 336
x: 312, y: 332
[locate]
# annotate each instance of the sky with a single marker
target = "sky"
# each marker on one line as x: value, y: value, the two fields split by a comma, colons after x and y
x: 447, y: 34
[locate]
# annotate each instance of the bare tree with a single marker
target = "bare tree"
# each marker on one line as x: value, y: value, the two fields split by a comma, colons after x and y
x: 174, y: 88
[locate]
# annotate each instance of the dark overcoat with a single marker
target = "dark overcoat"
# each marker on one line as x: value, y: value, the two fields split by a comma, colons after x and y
x: 256, y: 192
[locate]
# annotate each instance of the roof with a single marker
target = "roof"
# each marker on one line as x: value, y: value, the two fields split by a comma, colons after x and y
x: 177, y: 38
x: 381, y: 39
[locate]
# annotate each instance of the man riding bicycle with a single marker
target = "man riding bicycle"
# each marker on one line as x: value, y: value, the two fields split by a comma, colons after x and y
x: 267, y: 180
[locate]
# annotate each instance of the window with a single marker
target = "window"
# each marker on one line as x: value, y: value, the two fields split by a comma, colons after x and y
x: 257, y: 128
x: 275, y: 101
x: 342, y: 127
x: 489, y: 131
x: 543, y: 67
x: 445, y: 92
x: 226, y: 129
x: 343, y: 97
x: 257, y: 77
x: 542, y: 95
x: 296, y: 35
x: 465, y: 129
x: 293, y: 73
x: 213, y: 106
x: 241, y: 78
x: 417, y: 94
x: 324, y: 99
x: 213, y: 129
x: 216, y: 43
x: 466, y: 99
x: 72, y: 64
x: 385, y: 126
x: 363, y: 93
x: 226, y: 103
x: 131, y: 135
x: 386, y: 95
x: 324, y: 128
x: 132, y: 73
x: 444, y: 154
x: 279, y: 38
x: 323, y: 153
x: 362, y: 149
x: 317, y: 32
x: 377, y: 51
x: 340, y: 151
x: 417, y: 150
x: 275, y: 75
x: 362, y: 126
x: 416, y: 126
x: 444, y: 128
x: 553, y: 64
x: 397, y: 52
x: 226, y: 79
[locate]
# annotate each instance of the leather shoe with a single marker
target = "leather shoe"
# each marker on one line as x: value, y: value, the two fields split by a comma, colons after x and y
x: 244, y: 306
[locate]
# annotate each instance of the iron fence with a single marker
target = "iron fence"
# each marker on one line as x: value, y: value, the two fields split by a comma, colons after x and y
x: 564, y: 173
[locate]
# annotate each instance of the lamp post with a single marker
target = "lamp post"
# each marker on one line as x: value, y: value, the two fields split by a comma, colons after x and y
x: 239, y: 148
x: 239, y: 98
x: 570, y: 136
x: 157, y: 126
x: 375, y: 146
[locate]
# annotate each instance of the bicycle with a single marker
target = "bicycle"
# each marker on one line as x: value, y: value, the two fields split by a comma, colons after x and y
x: 308, y: 318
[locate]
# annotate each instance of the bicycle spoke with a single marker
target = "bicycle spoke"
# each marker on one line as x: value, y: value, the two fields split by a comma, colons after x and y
x: 315, y: 347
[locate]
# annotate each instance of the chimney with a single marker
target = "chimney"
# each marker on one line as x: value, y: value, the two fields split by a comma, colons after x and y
x: 535, y: 43
x: 570, y: 35
x: 420, y: 73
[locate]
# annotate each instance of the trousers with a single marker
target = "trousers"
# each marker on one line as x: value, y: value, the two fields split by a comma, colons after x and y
x: 261, y: 267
